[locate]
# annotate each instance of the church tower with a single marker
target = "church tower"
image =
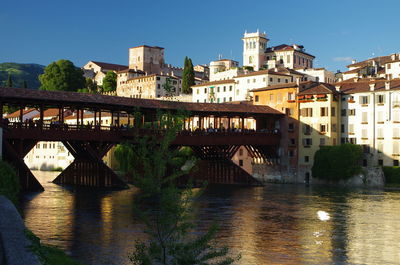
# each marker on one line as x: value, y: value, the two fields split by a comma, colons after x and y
x: 254, y: 45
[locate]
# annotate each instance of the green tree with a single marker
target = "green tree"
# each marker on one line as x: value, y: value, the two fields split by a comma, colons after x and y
x: 63, y: 76
x: 110, y: 82
x: 337, y: 162
x: 9, y: 82
x: 187, y: 76
x: 9, y: 182
x: 165, y: 209
x: 169, y: 88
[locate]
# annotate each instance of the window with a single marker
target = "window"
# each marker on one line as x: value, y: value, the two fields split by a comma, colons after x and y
x: 290, y: 153
x: 224, y: 89
x: 217, y: 88
x: 306, y: 112
x: 366, y: 148
x: 322, y: 141
x: 380, y: 99
x: 351, y: 128
x: 396, y: 116
x: 158, y: 86
x: 256, y: 98
x: 237, y: 92
x: 364, y: 133
x: 353, y: 140
x: 224, y: 99
x: 307, y: 141
x: 306, y: 159
x: 288, y: 59
x: 380, y: 117
x: 230, y: 88
x: 396, y: 148
x: 307, y: 129
x: 291, y: 126
x: 334, y: 128
x: 343, y: 112
x: 158, y: 78
x: 198, y: 91
x: 323, y: 128
x: 342, y: 128
x: 352, y: 112
x: 365, y: 163
x: 333, y: 112
x: 230, y: 98
x: 291, y: 96
x: 279, y: 80
x: 364, y: 100
x: 364, y: 117
x: 271, y: 79
x: 380, y: 162
x: 396, y: 133
x: 289, y: 111
x: 241, y: 152
x: 205, y: 90
x: 241, y: 162
x: 324, y: 111
x: 254, y: 80
x: 395, y: 163
x: 292, y: 141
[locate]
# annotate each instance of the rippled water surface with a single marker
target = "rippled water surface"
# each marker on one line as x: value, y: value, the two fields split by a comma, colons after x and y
x: 276, y: 224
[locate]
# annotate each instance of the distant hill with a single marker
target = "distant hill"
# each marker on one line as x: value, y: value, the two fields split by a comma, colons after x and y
x: 20, y: 73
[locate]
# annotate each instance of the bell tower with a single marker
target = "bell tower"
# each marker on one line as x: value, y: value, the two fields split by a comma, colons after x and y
x: 254, y: 45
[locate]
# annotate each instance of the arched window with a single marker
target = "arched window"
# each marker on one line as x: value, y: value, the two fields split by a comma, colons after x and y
x: 251, y: 59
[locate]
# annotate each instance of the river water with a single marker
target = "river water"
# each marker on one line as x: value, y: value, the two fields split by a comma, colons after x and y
x: 275, y: 224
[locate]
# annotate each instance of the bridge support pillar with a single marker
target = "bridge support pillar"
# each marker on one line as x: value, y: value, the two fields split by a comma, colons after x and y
x: 14, y: 153
x: 217, y: 166
x: 88, y: 168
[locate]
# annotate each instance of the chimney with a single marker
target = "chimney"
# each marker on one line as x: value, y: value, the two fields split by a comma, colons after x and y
x: 387, y: 85
x: 338, y: 88
x: 353, y: 61
x: 372, y: 86
x: 393, y: 56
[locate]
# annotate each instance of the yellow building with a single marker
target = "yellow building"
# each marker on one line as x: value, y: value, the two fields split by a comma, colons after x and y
x: 283, y: 98
x: 319, y: 105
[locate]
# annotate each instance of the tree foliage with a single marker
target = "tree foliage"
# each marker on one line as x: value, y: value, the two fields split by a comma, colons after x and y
x: 188, y: 76
x: 169, y: 88
x: 110, y: 82
x: 63, y: 76
x: 90, y: 86
x: 9, y: 182
x: 337, y: 162
x: 9, y: 82
x: 165, y: 209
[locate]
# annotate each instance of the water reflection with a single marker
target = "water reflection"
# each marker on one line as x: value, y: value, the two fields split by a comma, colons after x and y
x: 276, y: 224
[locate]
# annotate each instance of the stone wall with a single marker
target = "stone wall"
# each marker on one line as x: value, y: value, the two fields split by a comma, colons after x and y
x: 12, y: 236
x: 274, y: 173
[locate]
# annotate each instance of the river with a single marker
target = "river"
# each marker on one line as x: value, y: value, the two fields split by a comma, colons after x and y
x: 275, y: 224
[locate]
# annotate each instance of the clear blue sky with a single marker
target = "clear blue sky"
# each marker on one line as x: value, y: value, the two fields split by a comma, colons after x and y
x: 43, y: 31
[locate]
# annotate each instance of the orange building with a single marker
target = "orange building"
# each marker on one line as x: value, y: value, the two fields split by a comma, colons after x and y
x: 283, y: 98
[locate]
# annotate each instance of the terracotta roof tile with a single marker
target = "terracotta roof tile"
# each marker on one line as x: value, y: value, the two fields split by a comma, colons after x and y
x: 85, y: 100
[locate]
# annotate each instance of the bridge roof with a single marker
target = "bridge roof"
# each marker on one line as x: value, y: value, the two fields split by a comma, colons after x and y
x: 30, y: 97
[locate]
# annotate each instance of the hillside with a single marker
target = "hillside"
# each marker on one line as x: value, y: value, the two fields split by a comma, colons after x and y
x: 20, y: 73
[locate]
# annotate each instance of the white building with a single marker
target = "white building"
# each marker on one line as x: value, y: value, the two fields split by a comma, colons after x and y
x: 238, y: 88
x: 224, y: 69
x: 370, y: 117
x: 317, y: 74
x: 98, y: 70
x: 254, y: 45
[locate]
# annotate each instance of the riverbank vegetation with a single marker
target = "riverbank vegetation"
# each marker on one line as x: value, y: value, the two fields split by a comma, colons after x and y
x: 9, y: 182
x: 392, y: 175
x: 165, y: 209
x: 48, y: 255
x: 337, y: 162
